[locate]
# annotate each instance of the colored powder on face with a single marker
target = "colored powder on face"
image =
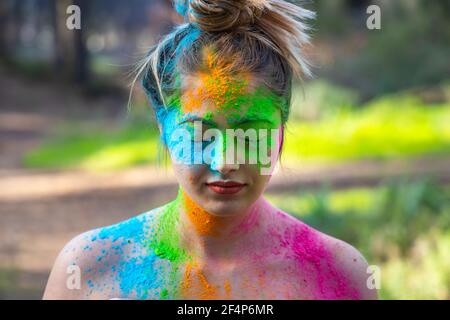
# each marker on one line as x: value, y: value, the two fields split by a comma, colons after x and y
x: 262, y: 111
x: 230, y: 96
x: 208, y: 115
x: 262, y: 104
x: 174, y: 101
x: 216, y: 85
x: 204, y: 222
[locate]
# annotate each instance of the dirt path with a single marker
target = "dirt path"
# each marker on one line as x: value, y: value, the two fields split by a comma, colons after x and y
x: 30, y: 227
x: 41, y: 210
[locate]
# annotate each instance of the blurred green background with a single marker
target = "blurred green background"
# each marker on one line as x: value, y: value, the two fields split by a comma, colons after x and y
x: 367, y: 154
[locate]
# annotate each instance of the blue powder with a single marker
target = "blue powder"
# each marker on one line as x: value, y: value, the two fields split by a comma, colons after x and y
x: 139, y: 275
x: 181, y: 6
x: 131, y: 232
x: 132, y: 229
x: 135, y: 275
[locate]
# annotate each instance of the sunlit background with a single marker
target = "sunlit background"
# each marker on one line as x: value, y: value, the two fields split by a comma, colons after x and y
x: 367, y: 154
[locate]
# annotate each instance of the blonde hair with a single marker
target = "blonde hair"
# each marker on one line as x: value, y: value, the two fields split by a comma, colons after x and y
x: 263, y: 37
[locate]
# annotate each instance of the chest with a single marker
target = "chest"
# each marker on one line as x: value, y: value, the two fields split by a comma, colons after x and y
x: 189, y: 281
x: 282, y: 279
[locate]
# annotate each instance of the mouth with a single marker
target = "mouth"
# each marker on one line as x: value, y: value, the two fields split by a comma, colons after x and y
x: 226, y: 187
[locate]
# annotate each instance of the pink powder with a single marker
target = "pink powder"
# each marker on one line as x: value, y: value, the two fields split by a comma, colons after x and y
x: 308, y: 249
x: 250, y: 221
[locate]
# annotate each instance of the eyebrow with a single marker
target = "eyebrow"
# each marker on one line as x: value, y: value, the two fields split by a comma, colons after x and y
x: 240, y: 121
x: 193, y: 118
x: 248, y: 119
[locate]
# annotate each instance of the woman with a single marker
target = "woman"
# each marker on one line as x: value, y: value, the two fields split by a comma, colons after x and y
x: 220, y: 86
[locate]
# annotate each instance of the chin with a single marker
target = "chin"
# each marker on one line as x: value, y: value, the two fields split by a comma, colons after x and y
x: 225, y: 208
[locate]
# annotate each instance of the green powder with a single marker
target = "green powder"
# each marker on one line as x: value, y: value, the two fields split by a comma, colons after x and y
x: 165, y: 242
x: 164, y: 293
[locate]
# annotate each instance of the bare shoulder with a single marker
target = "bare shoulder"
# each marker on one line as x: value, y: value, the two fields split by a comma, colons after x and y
x: 343, y: 268
x: 84, y: 264
x: 353, y: 264
x: 71, y: 261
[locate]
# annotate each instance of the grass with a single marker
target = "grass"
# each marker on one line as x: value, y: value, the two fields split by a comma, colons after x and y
x: 402, y: 226
x: 97, y: 149
x: 390, y: 127
x: 16, y: 284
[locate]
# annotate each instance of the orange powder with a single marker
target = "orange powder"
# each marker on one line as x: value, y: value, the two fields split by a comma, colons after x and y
x: 186, y: 283
x: 208, y: 292
x: 227, y: 289
x: 199, y: 285
x: 204, y: 222
x: 217, y: 85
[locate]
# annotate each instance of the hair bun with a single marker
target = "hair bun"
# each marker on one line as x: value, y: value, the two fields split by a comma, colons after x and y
x: 221, y: 15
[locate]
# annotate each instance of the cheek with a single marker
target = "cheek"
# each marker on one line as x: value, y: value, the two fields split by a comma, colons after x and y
x: 258, y: 178
x: 189, y: 176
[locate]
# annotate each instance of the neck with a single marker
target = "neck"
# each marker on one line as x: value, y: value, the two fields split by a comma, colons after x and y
x: 206, y: 235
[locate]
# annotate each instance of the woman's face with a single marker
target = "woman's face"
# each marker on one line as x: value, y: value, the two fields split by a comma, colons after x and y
x: 223, y: 135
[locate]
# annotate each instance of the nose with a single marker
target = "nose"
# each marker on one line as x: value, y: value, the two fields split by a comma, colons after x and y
x: 219, y: 161
x: 224, y: 168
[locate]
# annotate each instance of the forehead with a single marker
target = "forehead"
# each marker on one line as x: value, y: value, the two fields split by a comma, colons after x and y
x: 228, y: 99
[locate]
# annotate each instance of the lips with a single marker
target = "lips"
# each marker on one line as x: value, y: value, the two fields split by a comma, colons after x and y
x: 226, y: 187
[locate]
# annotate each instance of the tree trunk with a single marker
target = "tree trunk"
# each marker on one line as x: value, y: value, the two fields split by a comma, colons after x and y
x: 71, y: 55
x: 81, y: 54
x: 3, y: 28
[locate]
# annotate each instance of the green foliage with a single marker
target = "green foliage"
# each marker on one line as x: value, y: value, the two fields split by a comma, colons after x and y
x: 33, y: 69
x: 393, y: 126
x: 425, y: 274
x: 321, y: 99
x: 410, y: 50
x: 8, y: 278
x: 97, y: 149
